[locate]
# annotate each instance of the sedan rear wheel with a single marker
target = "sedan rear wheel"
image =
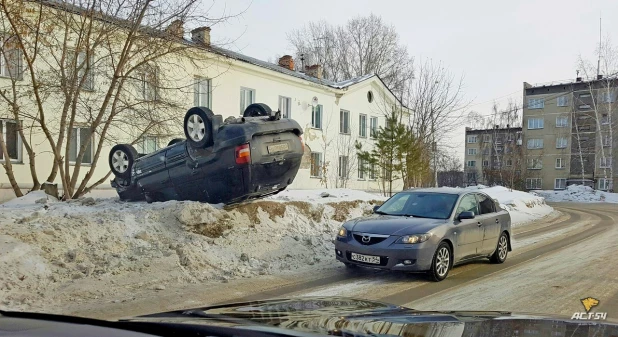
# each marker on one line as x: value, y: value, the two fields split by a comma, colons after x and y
x: 441, y: 263
x: 121, y: 160
x: 198, y: 127
x: 502, y: 249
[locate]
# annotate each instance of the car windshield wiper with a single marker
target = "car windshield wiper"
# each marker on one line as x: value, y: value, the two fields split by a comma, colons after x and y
x: 419, y: 216
x: 383, y: 213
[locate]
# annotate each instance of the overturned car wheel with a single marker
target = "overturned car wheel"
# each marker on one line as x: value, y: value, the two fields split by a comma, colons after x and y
x: 257, y: 110
x: 198, y: 127
x: 121, y: 159
x: 174, y: 141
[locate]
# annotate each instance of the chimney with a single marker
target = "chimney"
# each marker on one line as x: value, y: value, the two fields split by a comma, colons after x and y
x: 286, y: 61
x: 201, y: 35
x: 314, y: 71
x: 176, y: 29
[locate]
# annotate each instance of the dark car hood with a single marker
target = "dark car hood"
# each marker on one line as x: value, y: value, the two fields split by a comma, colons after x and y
x: 353, y: 317
x: 388, y: 224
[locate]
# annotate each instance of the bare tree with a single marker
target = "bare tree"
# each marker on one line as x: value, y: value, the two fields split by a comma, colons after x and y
x: 450, y: 171
x: 90, y: 69
x: 364, y: 45
x: 602, y: 80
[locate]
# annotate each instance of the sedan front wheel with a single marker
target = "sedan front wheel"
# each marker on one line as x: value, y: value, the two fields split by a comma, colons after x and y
x: 441, y: 263
x: 502, y: 250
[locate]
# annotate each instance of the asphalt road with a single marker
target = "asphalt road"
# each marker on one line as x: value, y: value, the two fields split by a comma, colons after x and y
x: 535, y: 278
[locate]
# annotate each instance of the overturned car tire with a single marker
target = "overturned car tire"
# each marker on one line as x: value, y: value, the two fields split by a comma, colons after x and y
x: 121, y: 160
x: 174, y: 141
x: 198, y: 127
x: 257, y: 110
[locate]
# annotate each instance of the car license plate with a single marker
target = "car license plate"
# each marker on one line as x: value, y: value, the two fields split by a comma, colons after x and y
x: 278, y: 148
x: 365, y: 258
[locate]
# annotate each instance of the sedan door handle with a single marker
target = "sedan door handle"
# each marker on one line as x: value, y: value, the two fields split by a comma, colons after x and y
x: 480, y: 224
x: 497, y: 220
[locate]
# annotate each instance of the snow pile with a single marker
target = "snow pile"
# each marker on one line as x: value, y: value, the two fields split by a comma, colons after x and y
x: 579, y: 193
x: 523, y: 207
x: 324, y: 195
x: 53, y: 252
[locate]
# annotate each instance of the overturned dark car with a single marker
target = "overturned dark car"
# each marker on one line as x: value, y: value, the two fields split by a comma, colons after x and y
x: 227, y: 162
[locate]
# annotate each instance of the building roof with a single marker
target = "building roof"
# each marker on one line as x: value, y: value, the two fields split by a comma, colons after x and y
x: 63, y: 5
x: 503, y: 129
x: 275, y: 67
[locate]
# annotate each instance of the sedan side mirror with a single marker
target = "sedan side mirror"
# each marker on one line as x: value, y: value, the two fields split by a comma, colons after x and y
x: 375, y: 208
x: 466, y: 215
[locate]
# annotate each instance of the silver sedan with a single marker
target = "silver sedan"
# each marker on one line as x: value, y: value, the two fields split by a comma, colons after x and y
x: 428, y: 230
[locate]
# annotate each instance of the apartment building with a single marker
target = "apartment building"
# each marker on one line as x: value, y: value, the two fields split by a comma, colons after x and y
x: 568, y: 134
x: 334, y: 115
x: 493, y: 156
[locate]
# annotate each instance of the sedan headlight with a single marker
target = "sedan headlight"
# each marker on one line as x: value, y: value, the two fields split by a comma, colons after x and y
x: 342, y: 232
x: 417, y: 238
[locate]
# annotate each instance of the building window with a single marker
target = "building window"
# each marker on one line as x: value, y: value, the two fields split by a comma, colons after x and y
x: 510, y: 137
x: 535, y: 143
x: 373, y: 172
x: 84, y: 66
x: 562, y: 101
x: 471, y: 152
x: 604, y: 119
x: 509, y: 162
x: 583, y: 128
x: 316, y: 164
x: 10, y: 131
x: 607, y: 97
x: 147, y: 144
x: 535, y: 123
x: 561, y: 142
x: 485, y: 163
x: 148, y: 82
x: 373, y: 126
x: 605, y: 162
x: 362, y: 126
x: 344, y: 121
x: 202, y: 91
x: 607, y: 141
x: 605, y: 184
x: 316, y: 117
x: 247, y: 97
x: 584, y: 106
x: 472, y: 139
x: 485, y: 138
x: 11, y: 59
x: 560, y: 164
x: 342, y: 168
x: 471, y: 163
x: 560, y: 183
x: 535, y: 164
x: 536, y: 103
x: 534, y: 183
x: 562, y: 122
x: 471, y: 176
x: 285, y: 106
x: 362, y: 167
x: 486, y: 151
x: 80, y: 136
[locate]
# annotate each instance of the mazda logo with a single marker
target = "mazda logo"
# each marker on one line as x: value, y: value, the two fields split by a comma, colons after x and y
x: 366, y: 238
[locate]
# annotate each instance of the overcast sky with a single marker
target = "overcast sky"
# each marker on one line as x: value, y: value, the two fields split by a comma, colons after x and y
x: 496, y: 45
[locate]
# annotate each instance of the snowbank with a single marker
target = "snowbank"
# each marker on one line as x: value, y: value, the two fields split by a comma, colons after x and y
x: 52, y: 252
x: 578, y: 193
x: 523, y: 207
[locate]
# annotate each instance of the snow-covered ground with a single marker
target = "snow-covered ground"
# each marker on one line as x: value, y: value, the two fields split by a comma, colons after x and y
x: 52, y: 252
x: 522, y: 206
x: 578, y: 193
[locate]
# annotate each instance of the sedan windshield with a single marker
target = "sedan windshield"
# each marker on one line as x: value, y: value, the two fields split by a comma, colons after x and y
x: 421, y: 205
